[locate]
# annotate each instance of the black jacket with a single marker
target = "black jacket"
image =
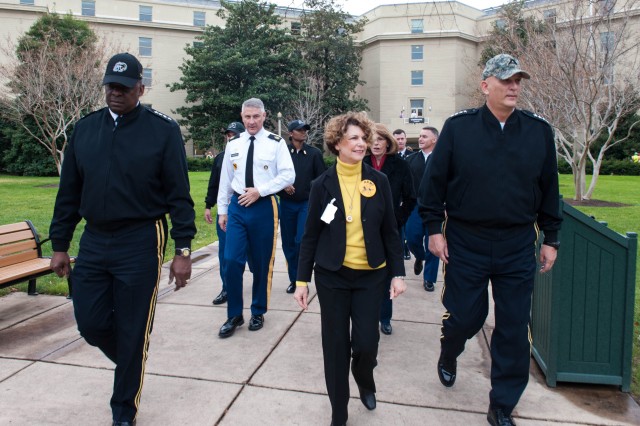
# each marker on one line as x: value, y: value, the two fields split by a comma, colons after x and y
x: 417, y: 166
x: 214, y: 181
x: 402, y: 190
x: 493, y: 178
x: 309, y: 165
x: 118, y: 177
x: 325, y: 244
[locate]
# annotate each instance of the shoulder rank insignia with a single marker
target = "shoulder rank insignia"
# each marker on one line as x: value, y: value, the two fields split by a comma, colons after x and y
x: 535, y: 116
x: 161, y: 115
x: 464, y: 112
x: 275, y: 137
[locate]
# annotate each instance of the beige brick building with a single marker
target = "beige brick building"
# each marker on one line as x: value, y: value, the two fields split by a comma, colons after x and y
x: 419, y: 63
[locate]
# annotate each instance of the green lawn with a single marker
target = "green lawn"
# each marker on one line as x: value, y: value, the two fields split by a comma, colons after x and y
x: 32, y: 198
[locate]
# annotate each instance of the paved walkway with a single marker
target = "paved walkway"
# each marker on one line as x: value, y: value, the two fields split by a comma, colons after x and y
x: 50, y: 376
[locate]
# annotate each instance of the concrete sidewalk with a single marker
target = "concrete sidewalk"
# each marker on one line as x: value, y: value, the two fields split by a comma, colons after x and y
x: 50, y: 376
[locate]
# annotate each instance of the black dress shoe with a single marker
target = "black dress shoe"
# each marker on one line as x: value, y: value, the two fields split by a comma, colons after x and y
x: 256, y: 322
x: 386, y: 328
x: 407, y: 256
x: 497, y: 417
x: 447, y: 371
x: 368, y: 398
x: 417, y: 267
x: 123, y: 423
x: 429, y: 286
x: 338, y: 424
x: 221, y: 298
x: 291, y: 288
x: 229, y: 327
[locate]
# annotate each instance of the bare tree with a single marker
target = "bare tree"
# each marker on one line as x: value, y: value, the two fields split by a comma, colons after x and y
x: 48, y: 87
x: 309, y: 107
x: 583, y: 58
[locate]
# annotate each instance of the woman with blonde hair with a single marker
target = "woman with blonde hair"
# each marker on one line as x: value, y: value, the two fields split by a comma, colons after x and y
x: 351, y: 237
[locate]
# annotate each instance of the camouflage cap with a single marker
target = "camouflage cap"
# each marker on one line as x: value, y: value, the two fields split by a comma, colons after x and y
x: 502, y: 67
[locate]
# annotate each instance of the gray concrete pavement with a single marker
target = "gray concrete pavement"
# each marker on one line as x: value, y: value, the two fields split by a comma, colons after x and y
x: 274, y: 376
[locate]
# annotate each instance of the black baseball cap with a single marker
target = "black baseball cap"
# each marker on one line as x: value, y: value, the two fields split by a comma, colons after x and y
x: 235, y: 127
x: 123, y: 68
x: 297, y: 125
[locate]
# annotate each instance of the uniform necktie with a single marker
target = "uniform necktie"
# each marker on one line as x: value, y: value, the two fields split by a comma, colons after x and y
x: 117, y: 121
x: 248, y: 173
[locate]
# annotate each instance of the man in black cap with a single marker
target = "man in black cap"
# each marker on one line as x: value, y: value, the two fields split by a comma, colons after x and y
x: 233, y: 130
x: 495, y: 170
x: 294, y: 199
x: 124, y: 169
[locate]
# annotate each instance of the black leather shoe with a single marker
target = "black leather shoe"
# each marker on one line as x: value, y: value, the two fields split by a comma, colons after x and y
x: 417, y: 267
x: 447, y: 371
x: 338, y: 424
x: 256, y: 322
x: 125, y: 423
x: 291, y: 288
x: 429, y: 286
x: 221, y: 298
x: 407, y: 256
x: 229, y: 327
x: 386, y: 328
x: 368, y: 398
x: 497, y: 417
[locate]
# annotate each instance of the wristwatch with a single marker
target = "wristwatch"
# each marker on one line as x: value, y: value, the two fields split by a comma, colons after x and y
x: 184, y: 252
x: 554, y: 244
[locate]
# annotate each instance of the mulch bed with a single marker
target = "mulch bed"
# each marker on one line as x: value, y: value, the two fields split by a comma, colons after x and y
x: 594, y: 203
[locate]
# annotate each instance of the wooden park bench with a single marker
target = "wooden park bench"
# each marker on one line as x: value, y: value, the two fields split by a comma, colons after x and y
x: 21, y: 256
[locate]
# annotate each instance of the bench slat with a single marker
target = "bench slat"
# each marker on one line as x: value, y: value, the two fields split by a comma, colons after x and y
x: 24, y: 269
x: 18, y: 258
x: 18, y: 247
x: 16, y: 236
x: 14, y: 227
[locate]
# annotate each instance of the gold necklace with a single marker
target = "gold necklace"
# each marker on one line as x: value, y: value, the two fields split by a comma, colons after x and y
x: 351, y: 197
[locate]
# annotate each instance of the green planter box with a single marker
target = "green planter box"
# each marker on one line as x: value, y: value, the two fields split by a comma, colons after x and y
x: 582, y: 312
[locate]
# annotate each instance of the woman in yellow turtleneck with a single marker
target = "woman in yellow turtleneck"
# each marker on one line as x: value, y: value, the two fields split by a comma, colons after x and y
x: 352, y: 238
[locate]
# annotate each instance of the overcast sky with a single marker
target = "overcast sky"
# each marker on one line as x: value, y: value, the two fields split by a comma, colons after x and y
x: 358, y: 7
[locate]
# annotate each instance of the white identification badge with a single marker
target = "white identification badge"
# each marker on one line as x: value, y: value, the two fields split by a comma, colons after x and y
x: 329, y: 212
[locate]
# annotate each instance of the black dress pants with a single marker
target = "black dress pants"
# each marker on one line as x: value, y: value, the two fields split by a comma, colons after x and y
x: 507, y: 259
x: 115, y: 289
x: 345, y: 296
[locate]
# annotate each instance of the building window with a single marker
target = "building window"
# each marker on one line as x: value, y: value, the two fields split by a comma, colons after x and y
x: 605, y: 7
x: 608, y: 41
x: 88, y: 8
x: 500, y: 24
x: 198, y: 44
x: 417, y: 26
x: 296, y: 28
x: 146, y: 13
x: 417, y: 78
x: 549, y: 15
x: 145, y: 45
x: 417, y: 52
x: 146, y: 76
x: 26, y: 2
x: 417, y: 108
x: 199, y: 19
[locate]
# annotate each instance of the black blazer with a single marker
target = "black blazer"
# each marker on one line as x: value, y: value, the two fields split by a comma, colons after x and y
x: 402, y: 190
x: 326, y: 244
x: 417, y: 165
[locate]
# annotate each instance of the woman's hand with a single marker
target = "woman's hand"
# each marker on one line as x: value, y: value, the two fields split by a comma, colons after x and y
x: 301, y: 295
x: 398, y: 287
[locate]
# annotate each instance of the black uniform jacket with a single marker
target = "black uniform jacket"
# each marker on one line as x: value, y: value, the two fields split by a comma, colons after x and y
x: 417, y: 166
x: 402, y: 190
x: 117, y: 177
x: 309, y: 165
x: 214, y: 181
x: 325, y: 244
x: 493, y: 178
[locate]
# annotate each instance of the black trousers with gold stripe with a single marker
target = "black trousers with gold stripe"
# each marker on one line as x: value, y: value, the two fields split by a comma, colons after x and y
x: 115, y: 289
x: 507, y: 259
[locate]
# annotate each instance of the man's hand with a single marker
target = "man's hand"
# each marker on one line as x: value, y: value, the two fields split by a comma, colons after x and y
x: 290, y: 190
x: 61, y: 264
x: 250, y: 196
x: 207, y: 216
x: 547, y: 258
x: 180, y: 270
x: 398, y: 286
x: 438, y: 247
x: 222, y: 221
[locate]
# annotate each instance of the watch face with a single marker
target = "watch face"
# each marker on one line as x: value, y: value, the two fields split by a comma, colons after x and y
x: 184, y: 252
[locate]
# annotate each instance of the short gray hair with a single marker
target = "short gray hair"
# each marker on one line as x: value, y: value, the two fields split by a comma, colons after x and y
x: 253, y: 103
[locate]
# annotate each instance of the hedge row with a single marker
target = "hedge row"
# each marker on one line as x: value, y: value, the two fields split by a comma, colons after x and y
x: 608, y: 167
